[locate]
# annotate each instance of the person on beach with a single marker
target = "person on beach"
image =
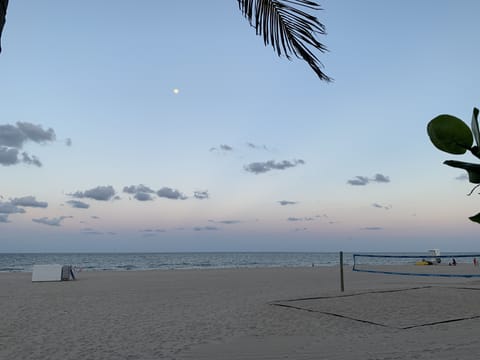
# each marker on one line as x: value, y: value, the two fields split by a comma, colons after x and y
x: 475, y: 262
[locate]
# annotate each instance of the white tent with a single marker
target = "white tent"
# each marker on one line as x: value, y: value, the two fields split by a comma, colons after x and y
x: 53, y: 272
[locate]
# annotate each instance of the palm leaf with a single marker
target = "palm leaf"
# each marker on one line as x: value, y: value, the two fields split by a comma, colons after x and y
x: 3, y: 13
x: 287, y: 28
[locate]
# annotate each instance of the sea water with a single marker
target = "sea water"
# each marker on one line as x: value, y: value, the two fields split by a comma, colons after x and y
x: 23, y: 262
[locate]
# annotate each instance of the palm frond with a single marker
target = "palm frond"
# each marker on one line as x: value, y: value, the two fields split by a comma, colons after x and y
x: 3, y: 13
x: 288, y: 29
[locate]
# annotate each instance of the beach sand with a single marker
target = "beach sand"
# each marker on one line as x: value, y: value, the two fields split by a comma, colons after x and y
x: 264, y: 313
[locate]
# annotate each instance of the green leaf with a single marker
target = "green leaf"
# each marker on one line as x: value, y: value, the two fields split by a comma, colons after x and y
x: 475, y: 218
x: 472, y: 169
x: 450, y: 134
x: 475, y: 131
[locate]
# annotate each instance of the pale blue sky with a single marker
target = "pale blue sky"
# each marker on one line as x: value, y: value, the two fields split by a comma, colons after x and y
x: 103, y: 73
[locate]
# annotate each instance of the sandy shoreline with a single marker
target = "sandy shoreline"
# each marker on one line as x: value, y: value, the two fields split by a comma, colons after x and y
x: 239, y: 314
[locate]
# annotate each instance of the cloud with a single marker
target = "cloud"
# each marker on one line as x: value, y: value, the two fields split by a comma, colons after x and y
x: 359, y: 181
x: 133, y: 189
x: 90, y: 231
x: 35, y: 133
x: 372, y: 228
x: 53, y: 221
x: 140, y: 192
x: 29, y: 201
x: 285, y: 202
x: 256, y: 147
x: 4, y: 218
x: 141, y: 196
x: 169, y: 193
x: 8, y: 156
x: 33, y: 160
x: 462, y: 177
x: 151, y: 232
x: 9, y: 208
x: 201, y: 195
x: 225, y: 147
x: 205, y: 228
x: 363, y: 180
x: 225, y: 222
x: 300, y: 229
x: 381, y: 178
x: 13, y: 137
x: 101, y: 193
x: 78, y: 204
x: 385, y: 207
x: 301, y: 219
x: 263, y: 167
x: 95, y: 217
x: 68, y: 142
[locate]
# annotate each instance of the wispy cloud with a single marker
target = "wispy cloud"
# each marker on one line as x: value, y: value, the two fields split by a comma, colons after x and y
x: 151, y: 232
x: 225, y: 222
x: 256, y: 147
x: 222, y: 147
x: 13, y: 137
x: 363, y: 180
x: 286, y: 202
x: 78, y: 204
x: 205, y: 228
x: 31, y: 160
x: 201, y: 195
x: 385, y: 207
x: 53, y: 221
x: 301, y: 219
x: 90, y: 231
x: 359, y: 181
x: 4, y: 218
x: 101, y: 193
x: 372, y: 228
x: 263, y: 167
x: 226, y: 147
x: 29, y: 201
x: 462, y: 177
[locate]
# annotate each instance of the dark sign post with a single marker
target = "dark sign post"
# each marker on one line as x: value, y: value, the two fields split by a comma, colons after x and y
x: 342, y: 284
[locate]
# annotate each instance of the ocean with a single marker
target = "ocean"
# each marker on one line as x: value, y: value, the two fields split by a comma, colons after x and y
x: 23, y: 262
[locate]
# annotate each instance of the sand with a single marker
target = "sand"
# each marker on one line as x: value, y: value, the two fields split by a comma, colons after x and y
x: 271, y: 313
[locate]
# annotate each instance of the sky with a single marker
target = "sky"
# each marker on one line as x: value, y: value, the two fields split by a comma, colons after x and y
x: 169, y: 126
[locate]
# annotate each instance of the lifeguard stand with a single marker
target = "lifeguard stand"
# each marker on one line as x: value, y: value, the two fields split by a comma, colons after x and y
x: 435, y: 253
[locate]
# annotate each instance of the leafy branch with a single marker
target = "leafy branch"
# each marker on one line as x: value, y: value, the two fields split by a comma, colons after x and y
x: 289, y: 30
x: 450, y: 134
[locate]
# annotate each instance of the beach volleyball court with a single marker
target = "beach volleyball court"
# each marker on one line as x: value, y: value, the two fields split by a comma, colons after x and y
x: 405, y: 308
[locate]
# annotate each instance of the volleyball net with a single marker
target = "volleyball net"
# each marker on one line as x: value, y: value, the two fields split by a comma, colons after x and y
x: 447, y: 265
